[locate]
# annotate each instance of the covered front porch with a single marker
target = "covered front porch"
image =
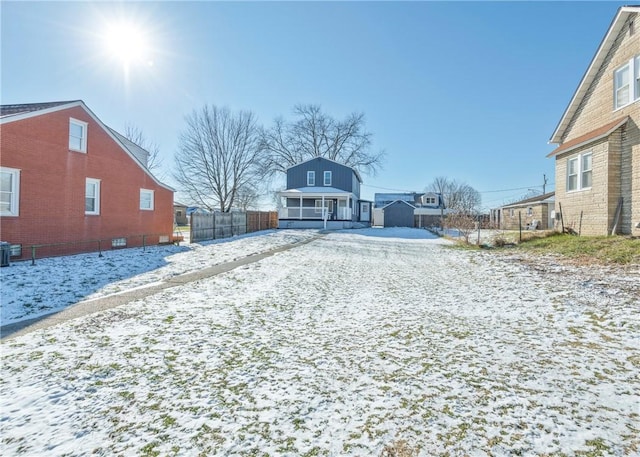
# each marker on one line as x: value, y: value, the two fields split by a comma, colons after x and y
x: 319, y: 205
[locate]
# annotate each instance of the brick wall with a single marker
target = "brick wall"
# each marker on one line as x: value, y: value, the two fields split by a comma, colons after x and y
x: 52, y: 184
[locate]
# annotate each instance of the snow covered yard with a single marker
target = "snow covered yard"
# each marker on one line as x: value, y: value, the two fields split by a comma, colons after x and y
x: 340, y: 347
x: 54, y: 283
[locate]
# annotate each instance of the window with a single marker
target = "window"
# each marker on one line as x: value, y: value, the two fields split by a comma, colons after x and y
x: 9, y: 191
x: 626, y: 80
x: 572, y: 173
x: 327, y: 204
x: 146, y: 199
x: 585, y: 179
x: 92, y: 196
x: 311, y: 178
x: 327, y: 178
x: 77, y: 135
x: 429, y: 200
x: 622, y: 85
x: 579, y: 171
x: 637, y: 77
x: 529, y: 211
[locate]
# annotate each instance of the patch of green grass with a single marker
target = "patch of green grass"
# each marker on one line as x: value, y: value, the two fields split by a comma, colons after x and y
x: 604, y: 249
x: 598, y: 448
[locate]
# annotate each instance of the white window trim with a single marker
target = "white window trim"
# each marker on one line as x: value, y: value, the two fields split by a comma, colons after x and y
x: 579, y: 172
x: 636, y: 77
x: 324, y: 178
x: 311, y: 178
x: 96, y: 212
x: 83, y: 142
x: 15, y: 192
x: 634, y: 82
x: 149, y: 192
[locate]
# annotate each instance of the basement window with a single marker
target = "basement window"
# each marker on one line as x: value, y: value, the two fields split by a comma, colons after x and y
x: 119, y: 243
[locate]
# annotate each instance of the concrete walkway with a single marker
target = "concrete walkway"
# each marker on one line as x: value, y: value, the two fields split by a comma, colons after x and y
x: 84, y: 308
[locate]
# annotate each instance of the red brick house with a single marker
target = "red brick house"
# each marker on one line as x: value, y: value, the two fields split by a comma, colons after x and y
x: 68, y: 179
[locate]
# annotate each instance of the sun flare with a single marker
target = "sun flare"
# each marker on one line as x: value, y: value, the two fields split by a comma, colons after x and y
x: 127, y: 43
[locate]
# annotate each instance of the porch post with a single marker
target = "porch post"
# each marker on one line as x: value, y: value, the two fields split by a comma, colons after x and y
x: 300, y: 212
x: 324, y: 215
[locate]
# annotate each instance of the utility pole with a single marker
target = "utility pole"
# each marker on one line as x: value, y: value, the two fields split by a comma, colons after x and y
x: 544, y: 184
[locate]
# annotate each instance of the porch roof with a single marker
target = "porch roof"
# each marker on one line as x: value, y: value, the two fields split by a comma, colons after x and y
x: 589, y: 137
x: 317, y: 191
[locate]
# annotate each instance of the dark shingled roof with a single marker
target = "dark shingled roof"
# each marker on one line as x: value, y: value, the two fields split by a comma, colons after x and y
x: 10, y: 110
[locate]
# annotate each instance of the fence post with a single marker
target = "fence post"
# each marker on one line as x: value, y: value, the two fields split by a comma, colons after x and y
x: 520, y: 224
x: 33, y: 255
x: 99, y: 249
x: 580, y: 226
x: 144, y: 247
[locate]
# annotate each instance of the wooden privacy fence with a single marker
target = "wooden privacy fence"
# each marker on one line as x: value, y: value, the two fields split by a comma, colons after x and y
x: 213, y: 226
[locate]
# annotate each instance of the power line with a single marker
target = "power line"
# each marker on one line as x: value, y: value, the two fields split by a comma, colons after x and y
x: 481, y: 191
x: 388, y: 188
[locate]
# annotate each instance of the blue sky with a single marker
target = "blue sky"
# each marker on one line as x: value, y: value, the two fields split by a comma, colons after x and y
x: 467, y: 90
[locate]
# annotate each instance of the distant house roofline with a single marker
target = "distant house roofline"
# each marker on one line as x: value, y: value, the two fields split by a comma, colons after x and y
x: 396, y: 201
x: 536, y: 199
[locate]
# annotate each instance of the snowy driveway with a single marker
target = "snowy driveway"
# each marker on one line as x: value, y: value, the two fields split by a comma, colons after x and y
x: 339, y: 347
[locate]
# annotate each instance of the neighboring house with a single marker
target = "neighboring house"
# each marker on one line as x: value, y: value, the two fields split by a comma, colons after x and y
x: 398, y: 214
x: 180, y: 214
x: 68, y: 179
x: 418, y: 200
x: 195, y: 209
x: 321, y: 191
x: 598, y: 137
x: 533, y: 213
x: 428, y: 208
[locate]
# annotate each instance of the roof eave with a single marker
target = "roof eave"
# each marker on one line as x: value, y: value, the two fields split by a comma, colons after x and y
x: 593, y: 139
x: 587, y: 78
x: 27, y: 114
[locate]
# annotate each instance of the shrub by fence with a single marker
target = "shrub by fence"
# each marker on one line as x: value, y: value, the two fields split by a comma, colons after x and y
x: 214, y: 226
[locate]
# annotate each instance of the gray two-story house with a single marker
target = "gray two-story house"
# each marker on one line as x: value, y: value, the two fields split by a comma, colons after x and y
x: 322, y: 193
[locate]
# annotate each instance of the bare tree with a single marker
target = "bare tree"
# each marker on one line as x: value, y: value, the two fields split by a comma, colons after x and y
x: 217, y: 156
x: 316, y: 134
x: 457, y: 196
x: 135, y: 135
x: 247, y: 197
